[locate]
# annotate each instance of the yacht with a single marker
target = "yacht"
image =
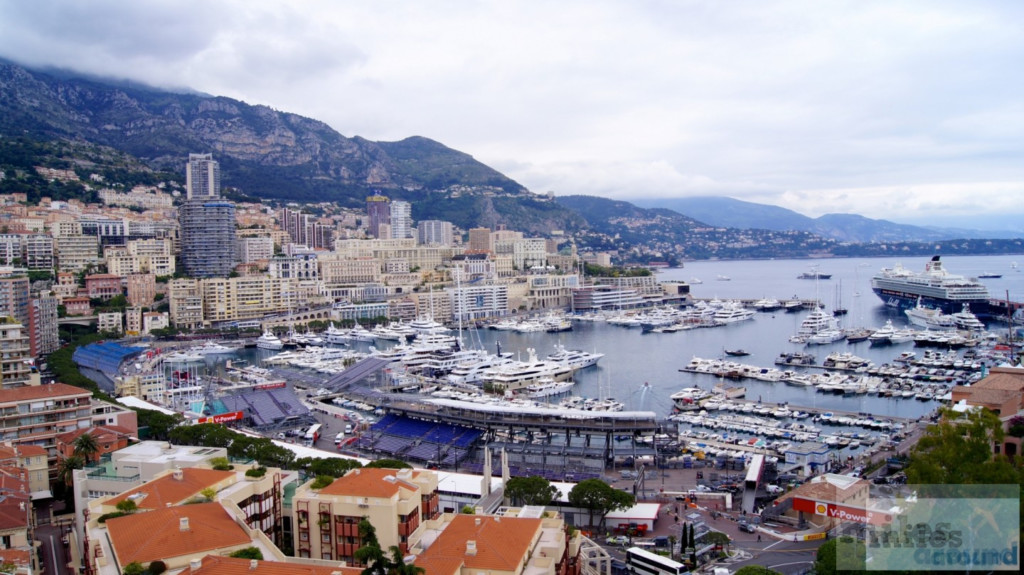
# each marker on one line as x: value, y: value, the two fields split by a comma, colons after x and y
x: 767, y: 304
x: 930, y: 318
x: 183, y: 357
x: 393, y: 332
x: 574, y: 358
x: 967, y: 321
x: 817, y: 321
x: 519, y: 374
x: 733, y: 312
x: 689, y: 398
x: 883, y: 335
x: 426, y: 325
x: 546, y: 387
x: 269, y: 341
x: 213, y: 348
x: 472, y: 371
x: 335, y: 336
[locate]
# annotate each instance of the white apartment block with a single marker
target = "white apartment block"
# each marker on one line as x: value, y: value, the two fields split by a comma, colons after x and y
x: 475, y: 302
x: 335, y: 270
x: 110, y: 321
x: 38, y: 249
x: 254, y: 249
x: 76, y: 252
x: 186, y: 303
x: 140, y: 197
x: 229, y: 299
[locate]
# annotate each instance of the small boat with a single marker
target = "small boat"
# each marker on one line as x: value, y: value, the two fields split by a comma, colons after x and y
x: 989, y: 275
x: 737, y: 352
x: 696, y: 281
x: 722, y: 278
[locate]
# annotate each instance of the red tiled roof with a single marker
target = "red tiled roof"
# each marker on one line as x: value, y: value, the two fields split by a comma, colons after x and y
x: 501, y: 543
x: 157, y: 534
x: 368, y: 482
x: 168, y: 490
x: 31, y: 392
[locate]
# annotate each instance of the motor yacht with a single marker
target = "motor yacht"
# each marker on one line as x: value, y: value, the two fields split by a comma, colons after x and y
x: 269, y: 341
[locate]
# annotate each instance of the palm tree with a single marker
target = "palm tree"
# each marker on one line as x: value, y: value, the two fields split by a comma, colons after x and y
x: 86, y: 446
x: 67, y: 466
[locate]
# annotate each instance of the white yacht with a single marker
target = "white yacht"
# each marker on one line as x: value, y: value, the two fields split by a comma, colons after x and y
x: 930, y: 318
x: 213, y: 348
x: 574, y: 358
x: 883, y: 335
x: 472, y: 371
x: 966, y: 320
x: 816, y: 321
x: 427, y: 325
x: 519, y: 374
x: 335, y: 336
x: 269, y: 341
x: 688, y: 398
x: 546, y: 387
x: 733, y: 312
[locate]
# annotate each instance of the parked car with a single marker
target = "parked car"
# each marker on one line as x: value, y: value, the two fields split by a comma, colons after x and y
x: 747, y: 527
x: 617, y: 540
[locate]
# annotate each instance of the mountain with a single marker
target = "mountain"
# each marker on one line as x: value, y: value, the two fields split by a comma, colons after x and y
x: 267, y: 153
x: 733, y: 213
x: 660, y: 234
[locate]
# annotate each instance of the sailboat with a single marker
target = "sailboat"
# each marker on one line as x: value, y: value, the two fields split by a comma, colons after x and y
x: 839, y: 310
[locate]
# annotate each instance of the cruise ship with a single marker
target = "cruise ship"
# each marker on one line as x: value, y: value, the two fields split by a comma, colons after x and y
x: 935, y: 288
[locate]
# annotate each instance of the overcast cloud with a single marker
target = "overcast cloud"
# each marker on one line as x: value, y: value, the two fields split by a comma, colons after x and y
x: 896, y: 110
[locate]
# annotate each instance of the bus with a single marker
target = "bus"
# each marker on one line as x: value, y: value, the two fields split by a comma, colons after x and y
x: 644, y: 562
x: 313, y: 433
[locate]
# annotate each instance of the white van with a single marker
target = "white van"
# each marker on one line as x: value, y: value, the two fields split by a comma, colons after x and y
x: 348, y: 428
x: 339, y: 438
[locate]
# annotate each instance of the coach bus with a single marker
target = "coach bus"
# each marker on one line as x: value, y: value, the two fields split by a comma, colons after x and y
x: 646, y: 563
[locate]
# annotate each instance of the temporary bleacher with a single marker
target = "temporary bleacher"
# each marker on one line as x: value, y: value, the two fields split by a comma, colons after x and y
x: 104, y: 356
x: 419, y: 440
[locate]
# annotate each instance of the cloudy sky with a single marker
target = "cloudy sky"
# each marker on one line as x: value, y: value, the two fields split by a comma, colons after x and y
x: 910, y: 111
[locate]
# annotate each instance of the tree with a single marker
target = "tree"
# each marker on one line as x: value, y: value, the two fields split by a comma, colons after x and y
x: 370, y: 554
x: 534, y: 490
x: 248, y: 553
x: 133, y: 568
x: 127, y: 506
x: 67, y: 466
x: 595, y: 495
x: 831, y: 556
x: 958, y: 450
x: 86, y: 446
x: 398, y: 566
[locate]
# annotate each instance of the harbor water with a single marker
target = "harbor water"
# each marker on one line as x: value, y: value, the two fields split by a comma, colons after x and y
x: 642, y: 369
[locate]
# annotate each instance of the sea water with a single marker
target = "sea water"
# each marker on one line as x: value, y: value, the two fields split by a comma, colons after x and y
x: 642, y: 370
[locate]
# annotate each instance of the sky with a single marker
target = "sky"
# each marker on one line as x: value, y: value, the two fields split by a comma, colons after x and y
x: 911, y: 111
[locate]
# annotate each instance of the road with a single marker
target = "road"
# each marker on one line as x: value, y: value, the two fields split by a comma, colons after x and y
x: 52, y: 552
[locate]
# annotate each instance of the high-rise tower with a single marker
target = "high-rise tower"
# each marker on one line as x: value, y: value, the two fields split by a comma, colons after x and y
x: 202, y: 178
x: 401, y: 219
x: 378, y: 210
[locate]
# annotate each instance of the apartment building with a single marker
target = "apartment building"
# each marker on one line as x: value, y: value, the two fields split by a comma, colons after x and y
x: 249, y: 297
x: 207, y: 237
x: 103, y: 286
x: 36, y: 415
x: 38, y: 250
x: 77, y: 252
x: 186, y: 303
x: 435, y: 232
x: 396, y: 502
x: 517, y: 542
x: 550, y: 290
x: 14, y: 295
x: 475, y: 302
x: 153, y: 256
x: 141, y: 288
x: 255, y: 249
x: 33, y: 460
x: 15, y: 370
x: 335, y: 269
x: 43, y: 330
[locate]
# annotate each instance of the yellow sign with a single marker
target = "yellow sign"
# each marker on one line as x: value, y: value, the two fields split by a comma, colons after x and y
x: 814, y: 536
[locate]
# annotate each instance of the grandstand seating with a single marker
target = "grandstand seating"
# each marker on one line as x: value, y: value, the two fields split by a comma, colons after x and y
x: 105, y: 356
x: 417, y: 439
